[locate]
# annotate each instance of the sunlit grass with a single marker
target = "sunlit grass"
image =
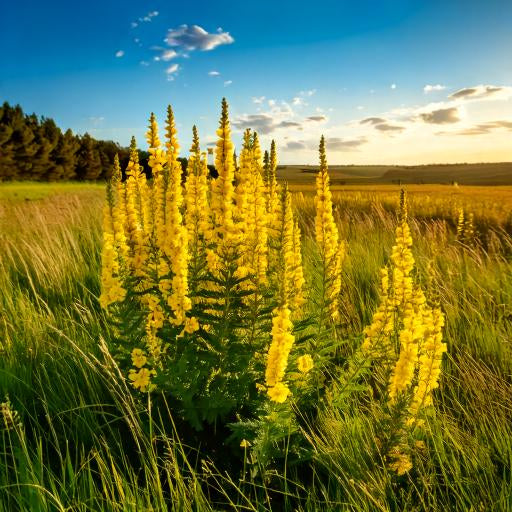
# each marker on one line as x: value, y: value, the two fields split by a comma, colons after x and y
x: 86, y: 444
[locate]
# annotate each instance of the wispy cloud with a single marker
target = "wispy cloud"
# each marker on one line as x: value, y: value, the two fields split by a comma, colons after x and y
x: 389, y: 128
x: 393, y: 86
x: 96, y: 120
x: 298, y: 101
x: 339, y: 144
x: 213, y: 73
x: 228, y: 83
x: 382, y: 125
x: 317, y: 119
x: 296, y: 145
x: 441, y: 116
x: 144, y: 19
x: 120, y: 53
x: 171, y: 72
x: 433, y: 88
x: 372, y: 120
x: 482, y: 92
x: 258, y: 99
x: 262, y: 123
x: 194, y: 37
x: 482, y: 128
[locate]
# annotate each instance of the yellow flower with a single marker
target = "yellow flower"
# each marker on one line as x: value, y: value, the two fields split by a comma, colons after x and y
x: 305, y: 363
x: 401, y: 462
x: 279, y: 393
x: 139, y: 358
x: 141, y: 379
x: 245, y: 444
x: 191, y: 325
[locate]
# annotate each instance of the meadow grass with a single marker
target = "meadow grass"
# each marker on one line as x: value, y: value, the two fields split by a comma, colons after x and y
x: 81, y: 439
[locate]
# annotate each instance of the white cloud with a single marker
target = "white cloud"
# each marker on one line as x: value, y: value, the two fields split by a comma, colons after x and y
x: 298, y: 102
x: 433, y: 88
x: 228, y: 82
x: 194, y: 37
x: 271, y: 103
x: 119, y: 53
x: 144, y: 63
x: 393, y: 86
x: 171, y: 70
x: 360, y: 107
x: 307, y: 93
x: 258, y: 99
x: 213, y: 73
x: 167, y: 55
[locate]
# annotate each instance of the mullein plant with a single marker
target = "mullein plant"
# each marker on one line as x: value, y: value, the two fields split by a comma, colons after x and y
x: 403, y: 346
x: 465, y: 228
x: 331, y: 248
x: 188, y: 274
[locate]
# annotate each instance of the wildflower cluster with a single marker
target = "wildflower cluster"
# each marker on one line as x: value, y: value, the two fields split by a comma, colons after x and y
x: 405, y: 339
x: 203, y: 277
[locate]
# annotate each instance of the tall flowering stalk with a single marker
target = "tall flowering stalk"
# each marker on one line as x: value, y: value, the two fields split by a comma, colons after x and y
x: 111, y: 286
x: 135, y: 205
x: 196, y: 205
x: 222, y: 225
x: 332, y: 249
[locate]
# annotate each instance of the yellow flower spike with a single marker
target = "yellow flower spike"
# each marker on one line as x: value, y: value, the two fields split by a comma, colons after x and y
x: 255, y: 253
x: 135, y: 205
x: 273, y: 189
x: 174, y: 239
x: 223, y: 228
x: 152, y: 133
x: 277, y: 358
x: 327, y: 236
x: 297, y: 299
x: 113, y: 245
x: 172, y: 144
x: 196, y: 199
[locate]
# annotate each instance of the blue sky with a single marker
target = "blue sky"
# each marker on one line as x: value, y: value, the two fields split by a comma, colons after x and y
x: 386, y: 82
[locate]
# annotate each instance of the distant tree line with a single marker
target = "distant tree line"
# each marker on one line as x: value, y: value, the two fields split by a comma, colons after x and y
x: 33, y: 148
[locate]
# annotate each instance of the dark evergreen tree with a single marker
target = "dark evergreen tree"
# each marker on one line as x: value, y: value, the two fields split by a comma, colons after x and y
x: 64, y: 157
x: 89, y: 160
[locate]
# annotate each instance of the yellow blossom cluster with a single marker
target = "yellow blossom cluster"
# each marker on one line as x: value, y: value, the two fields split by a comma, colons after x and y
x: 277, y: 360
x: 169, y: 243
x: 414, y: 363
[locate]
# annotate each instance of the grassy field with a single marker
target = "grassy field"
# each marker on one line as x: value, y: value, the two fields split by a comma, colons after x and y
x: 464, y: 174
x: 76, y: 436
